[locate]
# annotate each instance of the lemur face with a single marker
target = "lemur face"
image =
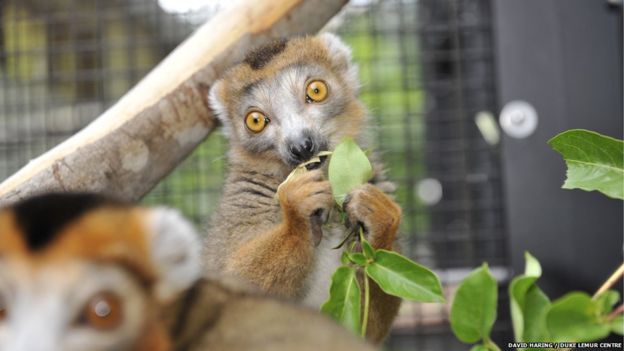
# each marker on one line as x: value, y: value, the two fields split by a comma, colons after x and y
x: 79, y: 272
x: 71, y: 305
x: 289, y: 100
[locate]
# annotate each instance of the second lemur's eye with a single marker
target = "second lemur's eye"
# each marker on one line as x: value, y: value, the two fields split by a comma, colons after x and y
x: 316, y: 91
x: 3, y: 309
x: 256, y: 121
x: 102, y: 312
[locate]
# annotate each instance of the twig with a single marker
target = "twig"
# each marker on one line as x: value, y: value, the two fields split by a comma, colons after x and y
x: 615, y: 312
x: 366, y: 295
x: 609, y: 282
x: 366, y: 305
x: 490, y: 345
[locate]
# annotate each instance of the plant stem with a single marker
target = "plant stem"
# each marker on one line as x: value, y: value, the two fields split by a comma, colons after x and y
x: 615, y: 312
x: 366, y: 293
x: 609, y: 282
x: 490, y: 345
x: 366, y: 305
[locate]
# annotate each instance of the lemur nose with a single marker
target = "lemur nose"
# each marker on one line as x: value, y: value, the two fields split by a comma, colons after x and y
x: 302, y: 150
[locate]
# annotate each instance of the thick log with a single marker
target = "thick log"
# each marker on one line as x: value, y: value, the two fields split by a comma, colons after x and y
x: 151, y: 129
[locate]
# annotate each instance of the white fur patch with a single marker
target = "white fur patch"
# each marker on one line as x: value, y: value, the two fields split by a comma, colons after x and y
x: 45, y: 304
x: 218, y: 107
x: 327, y: 261
x: 175, y: 251
x: 340, y: 54
x: 336, y: 47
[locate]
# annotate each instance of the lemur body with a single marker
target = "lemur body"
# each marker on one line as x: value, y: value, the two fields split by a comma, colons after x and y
x: 286, y: 102
x: 79, y: 272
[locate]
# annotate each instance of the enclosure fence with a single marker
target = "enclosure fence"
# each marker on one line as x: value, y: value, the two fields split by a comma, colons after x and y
x: 427, y: 71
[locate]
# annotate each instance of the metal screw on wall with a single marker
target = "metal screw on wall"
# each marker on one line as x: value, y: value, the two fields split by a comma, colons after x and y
x: 518, y: 119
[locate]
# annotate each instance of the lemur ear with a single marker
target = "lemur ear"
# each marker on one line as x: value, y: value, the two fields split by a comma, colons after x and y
x: 339, y: 52
x: 340, y: 56
x: 215, y: 99
x: 175, y: 250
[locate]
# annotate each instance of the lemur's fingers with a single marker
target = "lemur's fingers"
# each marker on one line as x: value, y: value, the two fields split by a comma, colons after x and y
x: 305, y: 194
x: 310, y: 176
x: 315, y: 196
x: 321, y: 201
x: 376, y: 211
x: 387, y: 187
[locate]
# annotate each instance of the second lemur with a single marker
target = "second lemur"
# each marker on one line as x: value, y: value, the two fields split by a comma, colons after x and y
x: 287, y: 101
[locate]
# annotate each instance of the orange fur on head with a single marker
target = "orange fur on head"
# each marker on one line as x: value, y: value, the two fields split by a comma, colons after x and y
x: 112, y: 234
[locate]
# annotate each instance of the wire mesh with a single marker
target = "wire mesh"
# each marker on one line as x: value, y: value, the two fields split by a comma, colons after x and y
x: 427, y: 69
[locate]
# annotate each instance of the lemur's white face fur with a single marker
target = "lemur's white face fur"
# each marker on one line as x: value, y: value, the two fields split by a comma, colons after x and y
x: 49, y: 308
x: 288, y: 100
x: 79, y: 273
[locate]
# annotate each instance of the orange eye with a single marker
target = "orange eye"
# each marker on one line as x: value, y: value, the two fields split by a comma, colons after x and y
x: 256, y: 121
x: 316, y: 91
x: 3, y: 310
x: 103, y: 312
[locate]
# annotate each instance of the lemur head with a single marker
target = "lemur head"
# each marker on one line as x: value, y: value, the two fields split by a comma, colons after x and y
x: 80, y: 272
x: 289, y: 100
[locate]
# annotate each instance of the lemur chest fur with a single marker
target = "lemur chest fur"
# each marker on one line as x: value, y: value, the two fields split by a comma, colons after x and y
x: 327, y: 260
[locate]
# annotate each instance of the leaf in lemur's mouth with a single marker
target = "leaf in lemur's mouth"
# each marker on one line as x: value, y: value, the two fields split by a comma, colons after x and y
x: 311, y: 164
x: 316, y: 161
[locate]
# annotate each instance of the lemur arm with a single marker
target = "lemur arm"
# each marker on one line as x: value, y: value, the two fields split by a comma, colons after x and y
x: 279, y: 260
x: 381, y: 216
x: 383, y: 310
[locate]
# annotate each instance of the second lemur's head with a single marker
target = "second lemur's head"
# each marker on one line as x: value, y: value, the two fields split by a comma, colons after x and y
x: 288, y: 100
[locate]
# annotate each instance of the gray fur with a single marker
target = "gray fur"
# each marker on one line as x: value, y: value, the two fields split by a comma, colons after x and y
x: 248, y: 207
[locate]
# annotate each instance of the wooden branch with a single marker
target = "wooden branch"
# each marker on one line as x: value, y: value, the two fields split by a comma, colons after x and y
x: 151, y: 129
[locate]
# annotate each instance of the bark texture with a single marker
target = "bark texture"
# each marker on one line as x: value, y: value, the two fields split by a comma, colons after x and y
x: 127, y: 150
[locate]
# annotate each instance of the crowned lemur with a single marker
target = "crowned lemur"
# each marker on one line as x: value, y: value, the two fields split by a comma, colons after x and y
x: 287, y: 101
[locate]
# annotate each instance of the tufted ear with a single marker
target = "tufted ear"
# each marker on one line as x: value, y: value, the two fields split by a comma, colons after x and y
x: 340, y: 56
x: 217, y: 103
x: 175, y: 251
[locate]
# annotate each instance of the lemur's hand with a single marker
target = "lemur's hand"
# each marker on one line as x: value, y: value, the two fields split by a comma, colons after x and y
x: 376, y: 211
x: 304, y: 199
x: 388, y: 188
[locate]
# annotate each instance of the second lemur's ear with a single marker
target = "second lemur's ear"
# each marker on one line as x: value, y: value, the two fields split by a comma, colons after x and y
x: 175, y: 250
x: 340, y: 56
x: 217, y: 103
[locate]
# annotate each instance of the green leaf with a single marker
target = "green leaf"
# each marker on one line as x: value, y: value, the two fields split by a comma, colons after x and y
x: 606, y: 301
x: 479, y: 348
x: 348, y: 168
x: 575, y: 317
x: 532, y: 267
x: 399, y: 276
x: 344, y: 299
x: 536, y: 307
x: 344, y: 258
x: 368, y: 250
x: 528, y: 303
x: 474, y: 308
x: 617, y: 325
x: 357, y: 258
x: 595, y: 161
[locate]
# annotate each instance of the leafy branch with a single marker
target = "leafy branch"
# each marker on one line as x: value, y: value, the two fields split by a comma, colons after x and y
x: 595, y: 162
x: 394, y: 274
x: 574, y: 317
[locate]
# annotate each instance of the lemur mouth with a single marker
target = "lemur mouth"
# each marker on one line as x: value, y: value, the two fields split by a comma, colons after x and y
x: 316, y: 164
